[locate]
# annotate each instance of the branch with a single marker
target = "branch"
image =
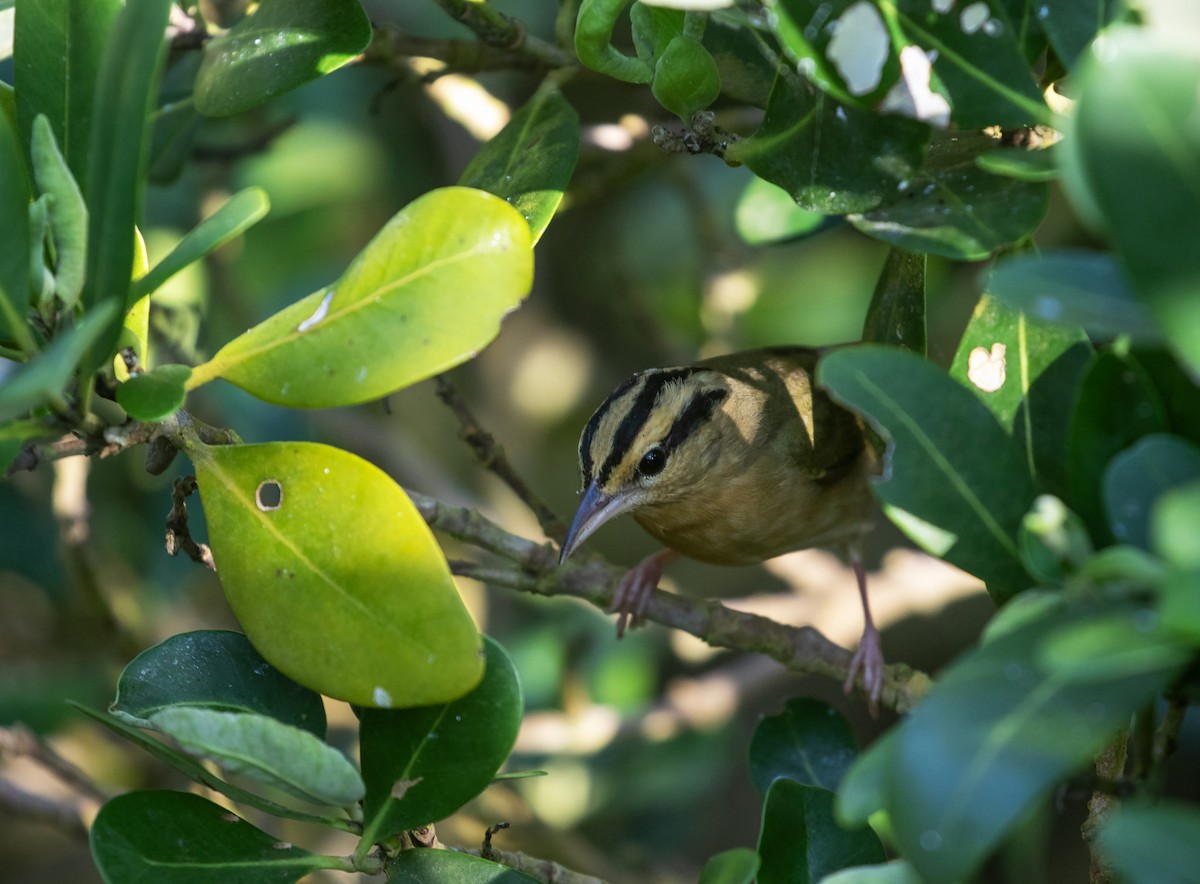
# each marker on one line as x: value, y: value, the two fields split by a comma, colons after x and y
x: 497, y: 29
x: 65, y: 815
x: 17, y: 739
x: 392, y: 47
x: 492, y: 456
x: 800, y: 649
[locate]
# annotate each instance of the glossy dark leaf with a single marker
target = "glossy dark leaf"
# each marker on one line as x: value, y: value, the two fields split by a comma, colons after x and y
x: 1072, y: 26
x: 801, y: 842
x: 955, y: 483
x: 747, y: 66
x: 1073, y: 288
x: 282, y: 45
x: 1002, y: 727
x: 952, y: 207
x: 177, y: 838
x: 807, y: 742
x: 1027, y: 373
x: 1138, y: 476
x: 896, y: 315
x: 1116, y: 407
x: 529, y: 163
x: 1179, y: 392
x: 213, y: 669
x: 422, y: 764
x: 1139, y: 160
x: 814, y: 148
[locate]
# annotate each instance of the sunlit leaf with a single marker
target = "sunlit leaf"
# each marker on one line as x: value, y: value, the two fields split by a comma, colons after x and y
x: 213, y: 669
x: 895, y: 872
x: 334, y: 575
x: 68, y: 215
x: 1026, y: 165
x: 422, y: 764
x: 14, y: 221
x: 766, y: 213
x: 177, y: 838
x: 426, y: 294
x: 801, y: 842
x: 281, y: 45
x: 956, y: 484
x: 266, y: 750
x: 529, y: 163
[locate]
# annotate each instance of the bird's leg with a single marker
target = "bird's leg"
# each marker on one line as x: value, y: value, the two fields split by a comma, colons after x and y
x: 869, y: 657
x: 633, y: 592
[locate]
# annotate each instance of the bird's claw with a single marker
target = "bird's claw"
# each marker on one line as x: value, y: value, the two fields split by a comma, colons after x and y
x: 868, y: 660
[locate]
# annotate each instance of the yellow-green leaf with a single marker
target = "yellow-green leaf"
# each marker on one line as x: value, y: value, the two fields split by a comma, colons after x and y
x: 425, y: 295
x: 334, y: 576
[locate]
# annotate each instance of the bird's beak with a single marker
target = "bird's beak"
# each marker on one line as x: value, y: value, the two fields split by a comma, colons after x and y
x: 594, y: 510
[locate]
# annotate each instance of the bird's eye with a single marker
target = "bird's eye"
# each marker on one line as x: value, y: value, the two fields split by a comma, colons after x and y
x: 652, y: 462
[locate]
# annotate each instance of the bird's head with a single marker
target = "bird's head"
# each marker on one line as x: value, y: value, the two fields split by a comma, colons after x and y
x: 648, y: 442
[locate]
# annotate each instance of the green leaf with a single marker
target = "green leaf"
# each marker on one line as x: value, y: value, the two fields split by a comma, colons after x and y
x: 998, y: 732
x: 529, y: 163
x: 1138, y: 476
x: 192, y: 769
x: 426, y: 294
x: 1179, y: 608
x: 896, y: 315
x: 427, y: 866
x: 807, y: 742
x: 1173, y: 526
x: 736, y: 866
x: 895, y: 872
x: 1021, y: 163
x: 238, y: 213
x: 1072, y: 26
x: 177, y: 838
x: 866, y: 786
x: 125, y: 91
x: 800, y: 841
x: 214, y: 669
x: 58, y: 47
x: 1179, y: 392
x: 766, y: 213
x: 1152, y: 844
x: 745, y: 62
x: 955, y: 484
x: 266, y: 750
x: 1116, y: 407
x: 44, y: 379
x: 1110, y: 648
x: 1027, y: 373
x: 953, y: 208
x: 1073, y: 288
x: 686, y: 79
x: 979, y: 62
x: 282, y: 45
x: 1139, y: 159
x: 67, y: 213
x: 334, y: 575
x: 813, y: 147
x: 420, y: 765
x: 155, y: 395
x: 14, y: 256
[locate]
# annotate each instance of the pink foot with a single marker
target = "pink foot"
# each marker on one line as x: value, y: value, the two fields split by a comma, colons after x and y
x: 633, y: 592
x: 868, y: 659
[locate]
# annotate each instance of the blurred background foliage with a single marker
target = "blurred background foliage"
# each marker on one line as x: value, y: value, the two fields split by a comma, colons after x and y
x: 645, y: 265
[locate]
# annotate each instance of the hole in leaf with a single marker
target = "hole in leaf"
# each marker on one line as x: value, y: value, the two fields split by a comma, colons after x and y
x: 269, y: 495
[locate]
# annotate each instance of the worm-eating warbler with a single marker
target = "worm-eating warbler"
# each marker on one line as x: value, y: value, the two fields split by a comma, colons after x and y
x: 732, y: 461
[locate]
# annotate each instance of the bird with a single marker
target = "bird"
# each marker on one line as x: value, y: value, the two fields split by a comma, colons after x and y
x: 732, y: 460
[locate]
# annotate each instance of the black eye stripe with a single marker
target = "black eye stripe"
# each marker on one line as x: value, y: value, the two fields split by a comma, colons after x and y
x: 589, y: 432
x: 696, y: 412
x: 636, y: 417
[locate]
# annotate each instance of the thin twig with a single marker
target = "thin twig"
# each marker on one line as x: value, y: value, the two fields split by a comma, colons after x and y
x: 65, y: 815
x: 800, y: 649
x: 392, y: 47
x: 16, y: 739
x: 497, y: 29
x: 178, y: 536
x: 492, y: 456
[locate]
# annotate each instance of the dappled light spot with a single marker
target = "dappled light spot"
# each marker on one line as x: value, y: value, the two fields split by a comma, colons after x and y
x: 987, y: 370
x: 269, y: 495
x: 318, y: 314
